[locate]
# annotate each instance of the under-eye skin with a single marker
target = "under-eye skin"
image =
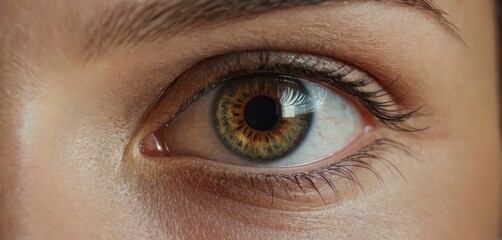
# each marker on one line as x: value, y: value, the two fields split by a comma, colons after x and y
x: 278, y: 129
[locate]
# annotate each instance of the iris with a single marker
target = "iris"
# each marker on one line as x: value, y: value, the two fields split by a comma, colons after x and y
x: 263, y: 117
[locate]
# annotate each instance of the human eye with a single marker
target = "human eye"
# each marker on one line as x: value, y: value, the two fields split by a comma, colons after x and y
x: 278, y: 129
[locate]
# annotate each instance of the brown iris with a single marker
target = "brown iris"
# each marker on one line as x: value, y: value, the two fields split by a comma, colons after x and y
x: 262, y: 116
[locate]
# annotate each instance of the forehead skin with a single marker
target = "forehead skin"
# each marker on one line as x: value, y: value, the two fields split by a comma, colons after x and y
x: 62, y: 135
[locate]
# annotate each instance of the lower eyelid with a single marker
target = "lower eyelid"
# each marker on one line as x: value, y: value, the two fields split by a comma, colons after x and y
x: 300, y: 191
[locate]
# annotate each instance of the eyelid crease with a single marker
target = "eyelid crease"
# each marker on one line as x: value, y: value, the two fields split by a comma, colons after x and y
x: 379, y: 102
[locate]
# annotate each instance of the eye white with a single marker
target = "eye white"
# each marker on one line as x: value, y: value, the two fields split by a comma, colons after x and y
x: 335, y: 124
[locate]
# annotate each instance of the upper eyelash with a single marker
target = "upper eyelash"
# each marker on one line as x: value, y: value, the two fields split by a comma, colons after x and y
x: 383, y: 110
x: 388, y: 112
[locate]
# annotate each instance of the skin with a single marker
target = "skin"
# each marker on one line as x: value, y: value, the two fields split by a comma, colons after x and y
x: 70, y: 128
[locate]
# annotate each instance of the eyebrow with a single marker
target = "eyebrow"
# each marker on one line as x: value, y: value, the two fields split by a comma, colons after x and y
x: 132, y: 23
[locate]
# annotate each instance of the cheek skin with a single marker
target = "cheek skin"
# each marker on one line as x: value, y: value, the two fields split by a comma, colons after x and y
x: 62, y: 165
x: 216, y: 216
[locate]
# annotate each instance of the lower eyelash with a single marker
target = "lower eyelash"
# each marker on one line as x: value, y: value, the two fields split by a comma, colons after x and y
x: 300, y: 187
x: 360, y: 159
x: 344, y: 168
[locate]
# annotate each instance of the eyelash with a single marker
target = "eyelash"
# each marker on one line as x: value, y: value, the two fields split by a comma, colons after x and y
x: 345, y: 168
x: 385, y: 111
x: 378, y: 102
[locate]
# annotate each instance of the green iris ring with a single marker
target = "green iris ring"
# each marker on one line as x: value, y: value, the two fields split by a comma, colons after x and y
x: 246, y: 142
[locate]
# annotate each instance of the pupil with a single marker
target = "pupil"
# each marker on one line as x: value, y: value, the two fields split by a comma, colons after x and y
x: 262, y: 113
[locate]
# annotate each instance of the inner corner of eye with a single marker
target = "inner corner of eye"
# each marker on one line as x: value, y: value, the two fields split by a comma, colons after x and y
x: 154, y: 144
x: 264, y: 120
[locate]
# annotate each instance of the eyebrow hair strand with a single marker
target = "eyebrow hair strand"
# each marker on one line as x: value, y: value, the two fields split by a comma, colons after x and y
x: 133, y: 23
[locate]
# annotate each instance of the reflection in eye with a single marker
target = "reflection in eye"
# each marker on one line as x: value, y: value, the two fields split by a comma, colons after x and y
x: 276, y: 122
x: 280, y: 121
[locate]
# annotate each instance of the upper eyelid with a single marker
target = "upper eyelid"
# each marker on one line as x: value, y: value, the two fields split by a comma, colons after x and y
x: 298, y: 65
x: 133, y: 23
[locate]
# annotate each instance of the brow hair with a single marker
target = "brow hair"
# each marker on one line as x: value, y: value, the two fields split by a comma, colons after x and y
x: 131, y: 23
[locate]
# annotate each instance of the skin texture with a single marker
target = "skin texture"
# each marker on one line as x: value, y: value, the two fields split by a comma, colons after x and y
x: 70, y: 126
